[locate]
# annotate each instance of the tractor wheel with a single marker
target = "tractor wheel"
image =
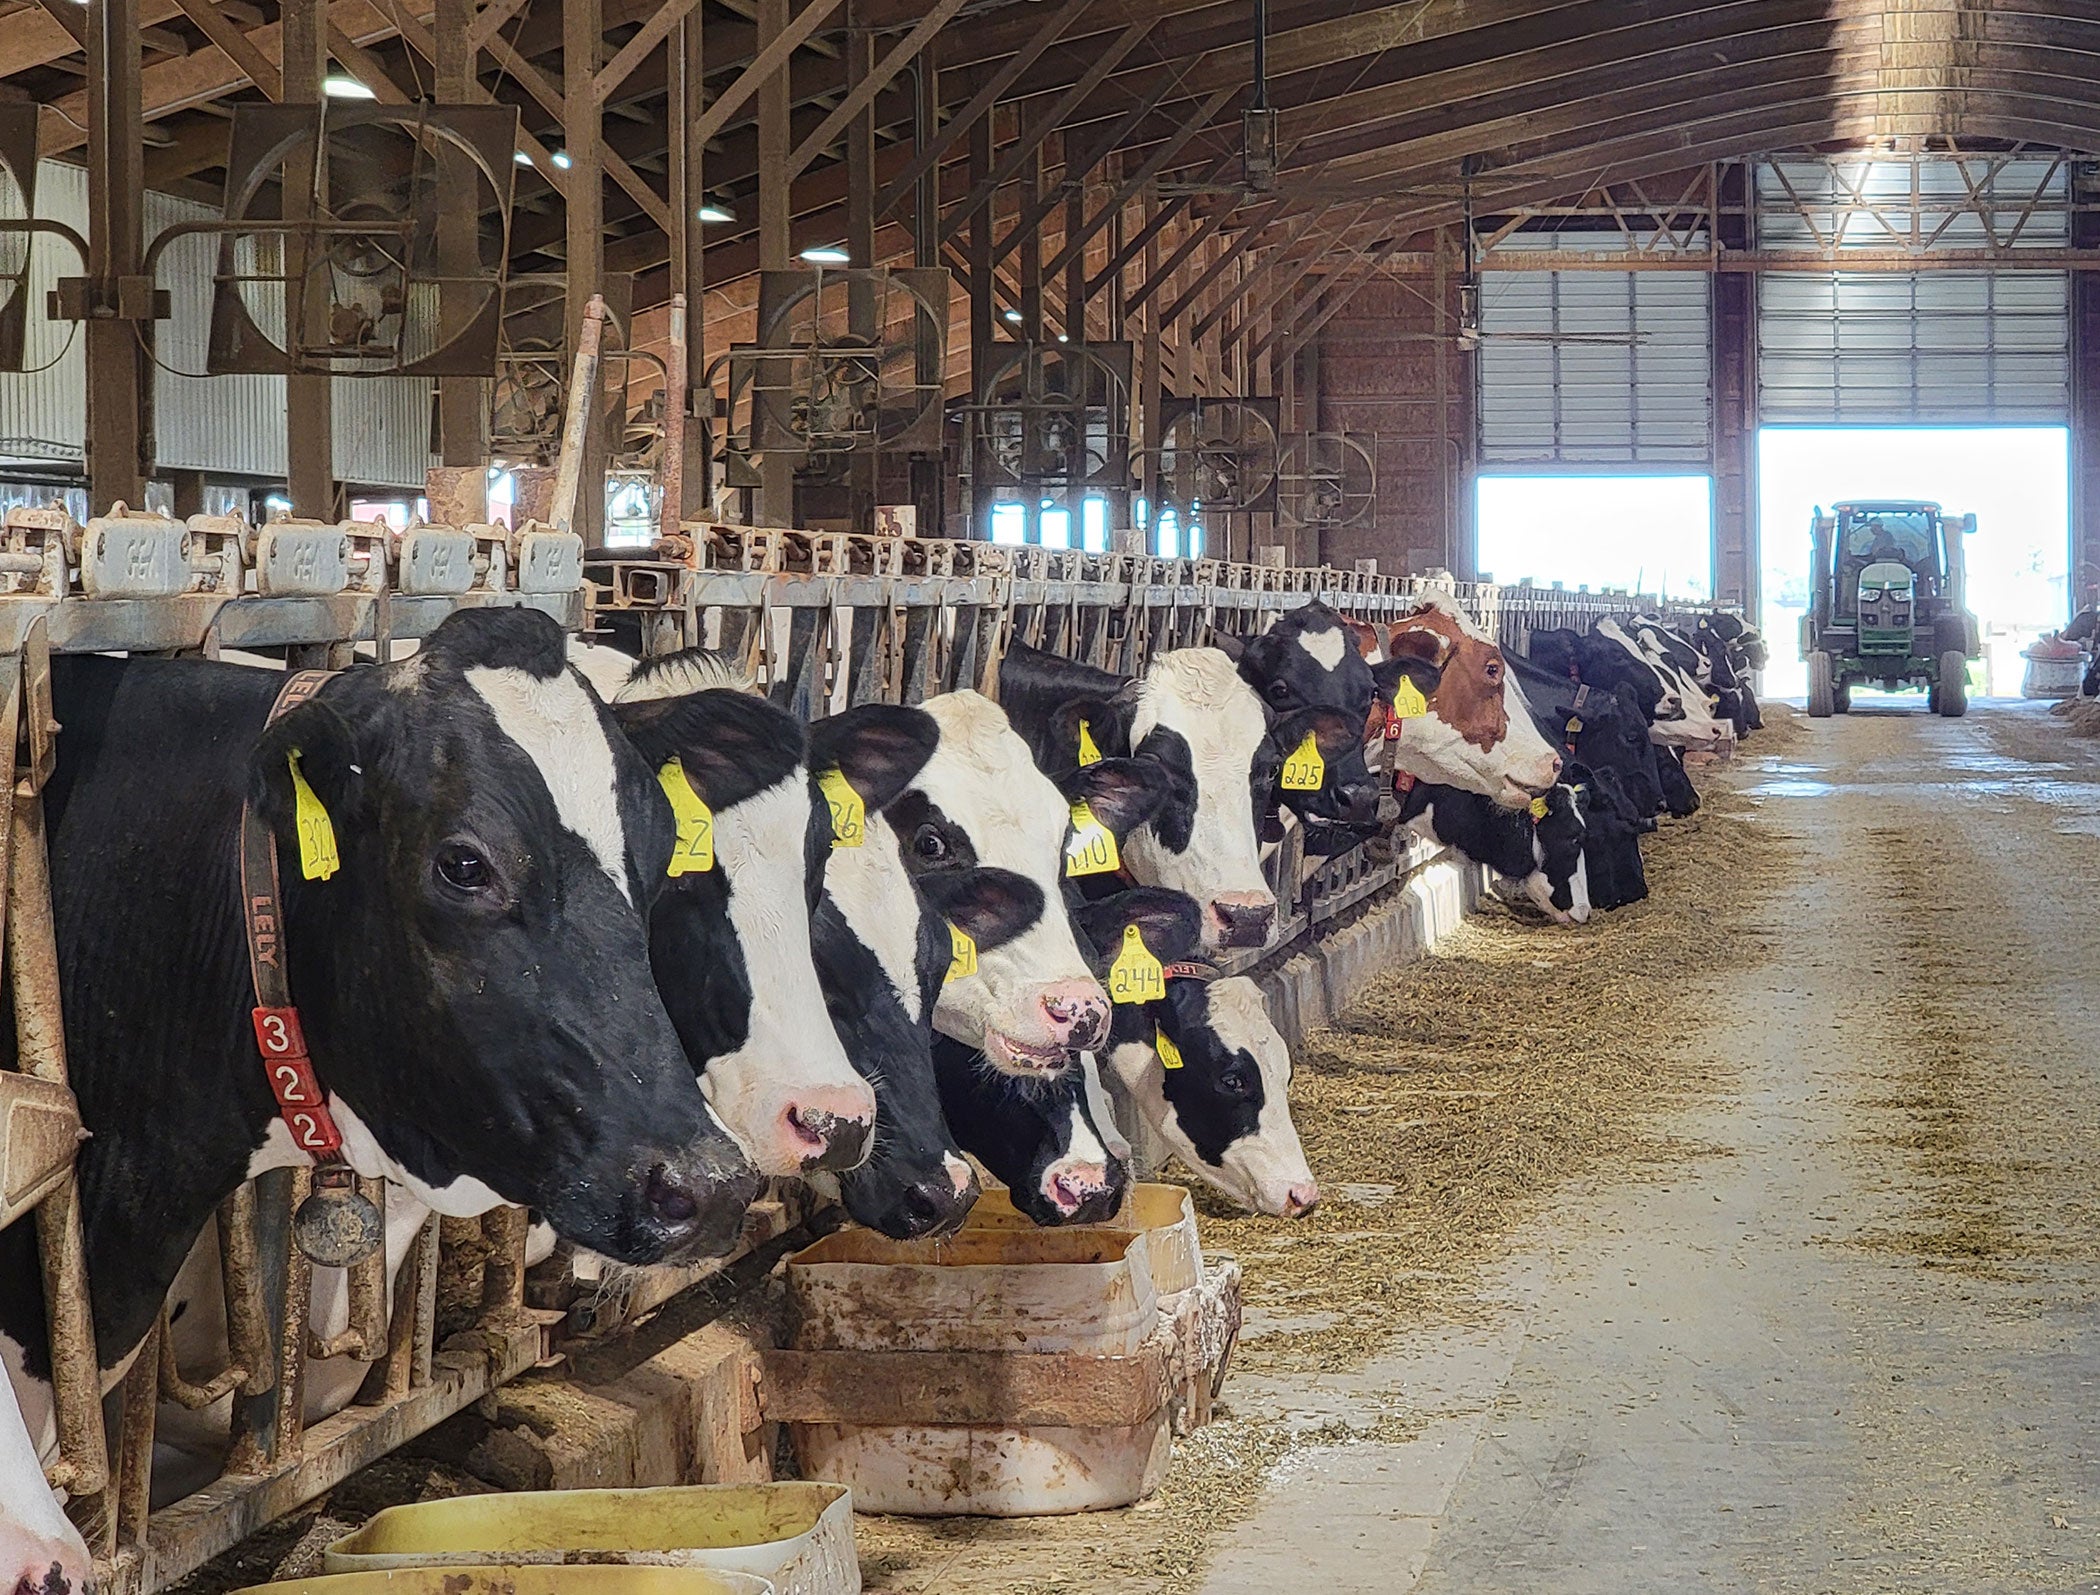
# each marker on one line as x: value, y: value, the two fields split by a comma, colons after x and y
x: 1822, y: 693
x: 1954, y: 684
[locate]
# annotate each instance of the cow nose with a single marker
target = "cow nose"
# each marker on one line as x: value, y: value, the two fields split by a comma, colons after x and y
x: 1301, y: 1199
x: 827, y: 1128
x: 1243, y: 918
x: 1070, y: 1185
x: 1078, y: 1013
x: 696, y: 1203
x: 48, y: 1574
x: 935, y: 1207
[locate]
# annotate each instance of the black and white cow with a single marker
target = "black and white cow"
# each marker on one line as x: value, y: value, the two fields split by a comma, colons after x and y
x: 1606, y: 658
x: 1612, y: 842
x: 472, y: 980
x: 1597, y: 727
x: 1049, y: 1139
x: 1537, y: 856
x: 1200, y: 1072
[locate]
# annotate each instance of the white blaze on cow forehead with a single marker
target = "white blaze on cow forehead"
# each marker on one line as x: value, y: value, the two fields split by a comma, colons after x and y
x: 1241, y: 1019
x: 554, y: 719
x: 1326, y: 647
x: 681, y: 674
x: 873, y: 894
x: 982, y: 776
x: 790, y: 1044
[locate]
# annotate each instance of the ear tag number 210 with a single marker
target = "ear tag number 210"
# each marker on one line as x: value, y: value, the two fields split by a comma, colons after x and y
x: 1092, y: 848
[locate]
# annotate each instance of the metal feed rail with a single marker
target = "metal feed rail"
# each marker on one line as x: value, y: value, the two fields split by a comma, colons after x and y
x: 144, y: 583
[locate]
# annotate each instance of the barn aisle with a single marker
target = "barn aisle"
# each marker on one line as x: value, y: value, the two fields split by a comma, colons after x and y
x: 1856, y: 1347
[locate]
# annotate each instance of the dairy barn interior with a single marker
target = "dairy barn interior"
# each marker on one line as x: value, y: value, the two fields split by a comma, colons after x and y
x: 981, y: 797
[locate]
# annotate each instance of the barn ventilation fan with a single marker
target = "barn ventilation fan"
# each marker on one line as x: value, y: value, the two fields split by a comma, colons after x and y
x: 17, y: 206
x: 846, y: 362
x: 381, y: 277
x: 1325, y: 481
x: 1053, y: 420
x: 1219, y: 456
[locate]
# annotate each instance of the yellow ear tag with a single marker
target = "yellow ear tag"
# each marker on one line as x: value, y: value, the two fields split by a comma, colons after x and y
x: 1169, y: 1054
x: 317, y: 855
x: 1088, y: 753
x: 694, y: 851
x: 1136, y: 976
x: 1408, y: 700
x: 849, y: 816
x: 1092, y: 849
x: 962, y: 955
x: 1538, y: 808
x: 1574, y: 724
x: 1305, y: 770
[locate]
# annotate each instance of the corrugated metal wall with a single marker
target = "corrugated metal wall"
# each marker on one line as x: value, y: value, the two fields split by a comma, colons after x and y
x: 233, y: 426
x: 1594, y: 367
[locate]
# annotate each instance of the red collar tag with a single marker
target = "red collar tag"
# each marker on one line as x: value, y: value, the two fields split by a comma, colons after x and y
x: 292, y: 1081
x: 1403, y: 781
x: 1392, y: 729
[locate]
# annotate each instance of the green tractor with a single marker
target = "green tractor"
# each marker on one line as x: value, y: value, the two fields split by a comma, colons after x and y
x: 1887, y: 587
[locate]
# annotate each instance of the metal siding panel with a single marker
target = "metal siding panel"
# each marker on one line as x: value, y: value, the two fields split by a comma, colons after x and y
x: 43, y: 408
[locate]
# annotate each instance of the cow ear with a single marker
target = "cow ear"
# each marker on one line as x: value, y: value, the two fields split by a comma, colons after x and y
x: 1335, y: 734
x: 731, y: 745
x: 1123, y: 793
x: 1230, y: 645
x: 1107, y: 722
x: 1170, y: 923
x: 1388, y: 674
x: 320, y: 740
x: 990, y: 906
x: 1417, y: 642
x: 878, y: 747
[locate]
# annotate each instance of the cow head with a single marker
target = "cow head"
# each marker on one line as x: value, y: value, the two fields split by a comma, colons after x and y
x: 1031, y: 1003
x: 1614, y: 736
x: 730, y: 943
x: 1222, y: 1103
x: 1560, y: 886
x: 1477, y: 733
x: 1610, y: 656
x: 1051, y: 1141
x: 1313, y: 658
x: 474, y: 977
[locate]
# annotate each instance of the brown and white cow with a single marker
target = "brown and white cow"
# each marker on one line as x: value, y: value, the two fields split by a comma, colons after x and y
x: 1476, y: 732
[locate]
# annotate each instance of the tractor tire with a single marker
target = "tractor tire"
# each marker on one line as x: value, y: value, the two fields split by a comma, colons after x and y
x: 1954, y: 684
x: 1822, y: 692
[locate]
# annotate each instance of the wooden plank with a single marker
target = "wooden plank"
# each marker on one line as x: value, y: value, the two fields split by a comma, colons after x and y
x: 870, y: 85
x: 964, y: 1387
x: 233, y: 39
x: 635, y: 50
x: 771, y: 58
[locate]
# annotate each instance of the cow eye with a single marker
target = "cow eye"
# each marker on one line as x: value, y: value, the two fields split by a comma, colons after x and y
x: 1280, y: 692
x: 463, y: 869
x: 1494, y: 671
x: 1233, y: 1082
x: 929, y: 844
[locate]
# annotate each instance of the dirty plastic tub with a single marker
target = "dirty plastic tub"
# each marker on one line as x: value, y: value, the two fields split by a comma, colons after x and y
x: 526, y: 1579
x: 797, y: 1536
x: 1163, y: 1214
x: 991, y: 1297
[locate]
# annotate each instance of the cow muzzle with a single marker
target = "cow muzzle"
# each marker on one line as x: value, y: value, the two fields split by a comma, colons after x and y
x: 826, y: 1129
x: 1239, y: 919
x: 1081, y: 1190
x: 695, y: 1206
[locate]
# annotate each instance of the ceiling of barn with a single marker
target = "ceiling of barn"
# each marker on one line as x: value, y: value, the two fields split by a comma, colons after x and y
x: 1382, y: 107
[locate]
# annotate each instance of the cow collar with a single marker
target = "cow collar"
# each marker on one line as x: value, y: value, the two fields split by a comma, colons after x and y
x: 335, y: 1225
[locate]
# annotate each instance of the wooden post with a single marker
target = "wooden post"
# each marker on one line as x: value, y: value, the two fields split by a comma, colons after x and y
x: 116, y: 385
x: 309, y: 400
x: 463, y: 402
x: 688, y: 91
x: 776, y: 497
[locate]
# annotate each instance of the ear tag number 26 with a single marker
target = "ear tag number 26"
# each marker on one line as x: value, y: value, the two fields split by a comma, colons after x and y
x: 1092, y: 848
x: 694, y: 851
x: 849, y: 816
x: 1136, y: 976
x: 1305, y: 770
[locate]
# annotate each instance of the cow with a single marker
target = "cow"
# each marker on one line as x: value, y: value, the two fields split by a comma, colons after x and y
x: 1199, y: 1071
x: 731, y: 943
x: 1606, y: 659
x: 1611, y: 846
x: 41, y: 1553
x: 1028, y: 1000
x: 1535, y: 853
x: 1049, y: 1139
x: 469, y: 958
x: 1603, y: 730
x: 1475, y: 731
x: 1193, y: 718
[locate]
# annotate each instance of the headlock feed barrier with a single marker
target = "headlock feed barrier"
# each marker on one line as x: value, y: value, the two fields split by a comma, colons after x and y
x: 822, y: 620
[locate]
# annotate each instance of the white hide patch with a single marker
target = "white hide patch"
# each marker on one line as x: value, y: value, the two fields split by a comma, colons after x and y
x: 1326, y: 647
x: 465, y: 1197
x: 606, y: 669
x: 34, y: 1531
x: 790, y: 1046
x: 682, y: 674
x: 555, y: 721
x: 1098, y: 1105
x: 875, y: 897
x: 1198, y: 694
x: 984, y: 779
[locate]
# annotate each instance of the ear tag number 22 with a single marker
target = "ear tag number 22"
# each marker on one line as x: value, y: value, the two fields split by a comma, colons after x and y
x: 694, y: 851
x: 1092, y: 848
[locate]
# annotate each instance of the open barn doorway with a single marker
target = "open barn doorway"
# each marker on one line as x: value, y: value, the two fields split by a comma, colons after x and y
x: 1637, y: 534
x: 2016, y: 479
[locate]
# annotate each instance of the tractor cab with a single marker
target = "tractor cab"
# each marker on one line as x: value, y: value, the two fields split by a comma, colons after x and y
x: 1887, y: 603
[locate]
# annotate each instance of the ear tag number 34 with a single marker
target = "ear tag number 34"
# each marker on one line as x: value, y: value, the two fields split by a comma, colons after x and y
x: 1305, y: 770
x: 1136, y: 976
x: 317, y: 855
x: 694, y: 851
x: 1092, y: 848
x: 849, y: 816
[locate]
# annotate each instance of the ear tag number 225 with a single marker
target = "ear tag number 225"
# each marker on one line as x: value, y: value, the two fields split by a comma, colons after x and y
x: 1305, y: 770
